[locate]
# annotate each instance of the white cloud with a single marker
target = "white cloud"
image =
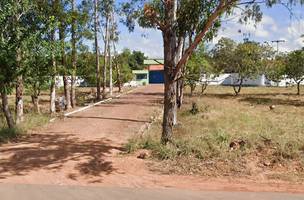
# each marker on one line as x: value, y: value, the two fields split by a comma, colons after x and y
x: 267, y: 30
x: 150, y: 41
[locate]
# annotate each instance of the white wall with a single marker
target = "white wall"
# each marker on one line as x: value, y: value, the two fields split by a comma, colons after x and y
x: 230, y: 79
x: 59, y: 81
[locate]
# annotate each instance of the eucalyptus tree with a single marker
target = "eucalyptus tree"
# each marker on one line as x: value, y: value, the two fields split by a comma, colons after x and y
x: 96, y: 30
x: 74, y: 16
x: 106, y: 10
x: 62, y: 16
x: 178, y: 19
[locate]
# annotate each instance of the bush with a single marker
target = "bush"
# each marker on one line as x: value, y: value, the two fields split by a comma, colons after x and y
x: 7, y: 134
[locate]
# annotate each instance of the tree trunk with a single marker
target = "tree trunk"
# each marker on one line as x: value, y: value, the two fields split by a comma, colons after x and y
x: 106, y: 48
x: 53, y: 77
x: 192, y: 89
x: 180, y: 93
x: 110, y: 73
x: 19, y: 100
x: 204, y: 87
x: 237, y: 89
x: 298, y: 87
x: 67, y: 94
x: 74, y: 57
x: 170, y: 57
x: 6, y: 110
x: 35, y: 101
x: 98, y: 81
x: 66, y: 84
x: 117, y: 68
x: 169, y: 107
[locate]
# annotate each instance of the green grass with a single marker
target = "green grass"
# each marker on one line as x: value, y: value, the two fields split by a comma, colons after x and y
x: 272, y: 140
x: 7, y: 134
x: 32, y: 121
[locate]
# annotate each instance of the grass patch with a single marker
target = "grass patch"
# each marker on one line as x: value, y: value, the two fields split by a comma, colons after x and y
x: 7, y: 134
x: 234, y: 136
x: 31, y: 122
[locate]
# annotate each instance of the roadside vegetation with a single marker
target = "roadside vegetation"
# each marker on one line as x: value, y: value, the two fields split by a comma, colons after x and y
x: 258, y: 134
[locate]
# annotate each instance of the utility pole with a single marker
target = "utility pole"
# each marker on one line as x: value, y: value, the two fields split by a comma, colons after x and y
x: 278, y: 42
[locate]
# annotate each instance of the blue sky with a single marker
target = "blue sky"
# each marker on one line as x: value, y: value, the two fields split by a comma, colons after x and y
x: 277, y: 23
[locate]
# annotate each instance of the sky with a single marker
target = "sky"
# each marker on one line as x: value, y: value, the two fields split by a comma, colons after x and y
x: 277, y: 24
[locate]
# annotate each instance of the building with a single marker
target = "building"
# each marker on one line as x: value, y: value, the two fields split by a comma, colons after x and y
x: 141, y: 77
x: 153, y: 73
x: 156, y: 71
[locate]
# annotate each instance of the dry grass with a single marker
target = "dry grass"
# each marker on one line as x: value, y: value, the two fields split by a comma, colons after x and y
x: 235, y: 136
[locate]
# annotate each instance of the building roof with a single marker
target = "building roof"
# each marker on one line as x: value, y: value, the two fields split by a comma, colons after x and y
x: 156, y: 67
x: 140, y: 71
x: 154, y: 62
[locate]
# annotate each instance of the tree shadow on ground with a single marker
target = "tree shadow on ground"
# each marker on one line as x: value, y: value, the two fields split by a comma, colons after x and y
x: 110, y: 118
x: 260, y: 98
x: 272, y: 101
x: 52, y: 151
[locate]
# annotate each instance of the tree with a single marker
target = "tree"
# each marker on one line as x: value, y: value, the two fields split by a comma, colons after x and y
x: 136, y: 60
x: 275, y: 68
x: 295, y: 67
x: 196, y: 67
x: 37, y: 63
x: 247, y: 63
x: 223, y: 54
x: 106, y: 12
x: 178, y: 19
x: 15, y: 32
x: 74, y: 16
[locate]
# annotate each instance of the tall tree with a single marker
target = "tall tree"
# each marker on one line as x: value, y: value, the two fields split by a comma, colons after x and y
x: 96, y: 30
x: 176, y: 19
x: 74, y: 16
x: 63, y: 23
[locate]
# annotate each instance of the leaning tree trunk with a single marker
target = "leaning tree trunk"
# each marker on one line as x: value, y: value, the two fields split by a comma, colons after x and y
x: 6, y: 110
x: 237, y: 89
x: 19, y: 100
x: 180, y: 92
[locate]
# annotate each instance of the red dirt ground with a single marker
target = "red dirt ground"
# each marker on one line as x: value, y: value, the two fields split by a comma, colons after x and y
x: 85, y: 150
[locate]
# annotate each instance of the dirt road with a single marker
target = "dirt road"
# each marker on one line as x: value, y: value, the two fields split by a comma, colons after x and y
x: 85, y: 150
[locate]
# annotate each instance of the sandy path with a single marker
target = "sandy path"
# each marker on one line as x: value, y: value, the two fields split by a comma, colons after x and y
x: 84, y: 150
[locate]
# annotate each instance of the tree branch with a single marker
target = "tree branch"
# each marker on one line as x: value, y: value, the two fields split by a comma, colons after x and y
x: 223, y: 5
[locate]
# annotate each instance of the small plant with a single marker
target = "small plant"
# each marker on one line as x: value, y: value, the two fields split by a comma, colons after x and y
x: 194, y: 110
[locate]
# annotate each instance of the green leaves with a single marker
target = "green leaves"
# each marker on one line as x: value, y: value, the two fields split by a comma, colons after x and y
x: 295, y: 65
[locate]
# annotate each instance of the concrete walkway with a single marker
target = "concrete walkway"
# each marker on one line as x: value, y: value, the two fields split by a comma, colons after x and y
x: 45, y: 192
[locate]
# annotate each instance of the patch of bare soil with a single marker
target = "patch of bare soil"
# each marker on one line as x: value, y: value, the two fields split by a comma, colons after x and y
x: 86, y: 148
